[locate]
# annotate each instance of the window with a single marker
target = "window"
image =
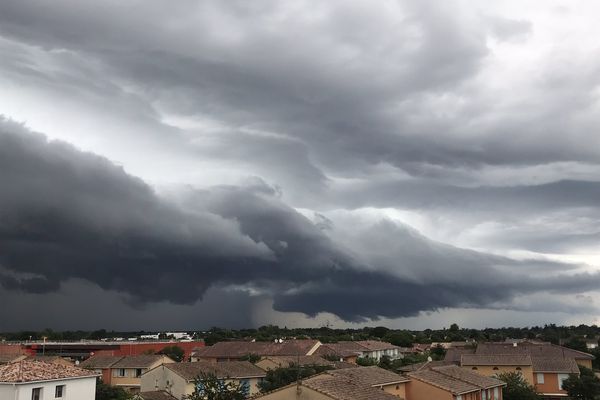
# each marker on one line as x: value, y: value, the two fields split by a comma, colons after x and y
x: 138, y: 372
x: 540, y: 377
x: 561, y: 379
x: 59, y: 392
x: 121, y: 372
x: 36, y: 394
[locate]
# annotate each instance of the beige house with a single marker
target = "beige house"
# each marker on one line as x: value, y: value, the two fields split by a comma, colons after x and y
x: 364, y: 383
x: 178, y: 379
x: 125, y: 371
x: 490, y: 365
x: 452, y: 383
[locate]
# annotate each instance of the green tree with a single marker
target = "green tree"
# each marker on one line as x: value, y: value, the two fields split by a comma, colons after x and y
x: 437, y: 352
x: 280, y: 377
x: 107, y: 392
x: 379, y: 331
x: 585, y: 386
x: 576, y: 343
x: 517, y: 388
x: 175, y: 353
x: 400, y: 338
x: 209, y: 387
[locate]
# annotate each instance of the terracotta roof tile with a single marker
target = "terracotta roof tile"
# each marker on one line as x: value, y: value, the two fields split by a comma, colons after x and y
x: 31, y: 371
x: 496, y: 359
x: 227, y: 369
x: 455, y: 379
x: 100, y: 362
x: 286, y: 361
x: 341, y: 387
x: 376, y: 345
x: 140, y: 361
x: 237, y: 349
x: 371, y: 376
x: 532, y: 349
x: 155, y: 395
x: 555, y: 364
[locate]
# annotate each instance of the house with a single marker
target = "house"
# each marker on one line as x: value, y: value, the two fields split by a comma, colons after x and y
x: 536, y: 349
x: 363, y: 383
x: 126, y: 371
x: 154, y: 395
x: 37, y: 380
x: 11, y: 357
x: 452, y: 383
x: 545, y: 373
x: 238, y: 350
x: 274, y: 362
x: 178, y: 379
x: 350, y: 351
x: 490, y: 365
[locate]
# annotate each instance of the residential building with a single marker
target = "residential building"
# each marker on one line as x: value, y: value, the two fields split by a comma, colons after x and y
x: 236, y: 350
x: 363, y: 383
x: 178, y: 379
x: 452, y: 383
x: 490, y: 365
x: 37, y: 380
x: 536, y: 349
x: 350, y: 351
x: 125, y: 372
x: 550, y: 372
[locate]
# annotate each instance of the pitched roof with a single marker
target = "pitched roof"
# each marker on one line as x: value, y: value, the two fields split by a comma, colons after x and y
x: 342, y: 349
x: 237, y: 349
x: 227, y: 369
x: 140, y: 361
x: 496, y: 359
x: 100, y: 362
x: 155, y: 395
x: 286, y: 361
x: 455, y: 379
x: 423, y: 365
x: 376, y: 345
x: 533, y: 349
x: 555, y: 364
x: 371, y: 376
x: 345, y: 388
x: 453, y: 354
x: 32, y: 371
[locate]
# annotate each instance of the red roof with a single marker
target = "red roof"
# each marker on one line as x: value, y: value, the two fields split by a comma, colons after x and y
x: 33, y: 371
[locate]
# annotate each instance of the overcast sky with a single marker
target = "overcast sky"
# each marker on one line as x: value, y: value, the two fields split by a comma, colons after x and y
x: 409, y: 163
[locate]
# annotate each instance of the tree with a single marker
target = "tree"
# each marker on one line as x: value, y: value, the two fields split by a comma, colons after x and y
x: 437, y: 352
x: 280, y: 377
x: 585, y: 386
x: 576, y: 343
x: 379, y: 331
x: 209, y: 387
x: 175, y: 353
x: 400, y: 338
x: 107, y: 392
x: 454, y: 328
x: 517, y: 388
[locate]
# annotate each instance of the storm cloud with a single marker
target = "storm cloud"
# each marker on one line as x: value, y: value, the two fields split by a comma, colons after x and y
x: 428, y: 156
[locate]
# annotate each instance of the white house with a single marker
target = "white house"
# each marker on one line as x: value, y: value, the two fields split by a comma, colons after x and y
x: 37, y: 380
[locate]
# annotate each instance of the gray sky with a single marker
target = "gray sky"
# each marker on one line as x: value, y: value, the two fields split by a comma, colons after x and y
x: 196, y: 163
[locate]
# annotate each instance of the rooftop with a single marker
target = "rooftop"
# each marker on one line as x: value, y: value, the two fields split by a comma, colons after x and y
x: 555, y: 364
x: 540, y: 349
x: 286, y: 361
x: 155, y: 395
x: 496, y: 359
x: 237, y: 349
x: 342, y: 386
x: 376, y: 345
x: 100, y: 362
x: 33, y: 371
x: 455, y: 379
x: 227, y: 369
x: 141, y: 361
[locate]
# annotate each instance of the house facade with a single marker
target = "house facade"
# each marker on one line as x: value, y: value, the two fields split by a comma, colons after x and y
x: 37, y: 380
x: 178, y: 379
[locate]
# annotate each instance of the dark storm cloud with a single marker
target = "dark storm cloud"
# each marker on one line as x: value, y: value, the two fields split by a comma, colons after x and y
x: 66, y: 214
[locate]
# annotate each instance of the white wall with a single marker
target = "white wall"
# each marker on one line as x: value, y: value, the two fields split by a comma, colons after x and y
x: 75, y: 389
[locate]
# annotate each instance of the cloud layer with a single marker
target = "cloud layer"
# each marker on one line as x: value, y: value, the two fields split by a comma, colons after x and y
x: 427, y: 156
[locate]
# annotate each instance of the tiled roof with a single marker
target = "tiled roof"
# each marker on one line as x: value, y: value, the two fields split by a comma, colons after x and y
x: 239, y: 349
x: 370, y: 376
x: 555, y: 364
x: 375, y: 345
x: 424, y: 364
x: 454, y: 354
x: 455, y: 379
x: 342, y: 349
x: 497, y: 359
x: 345, y: 388
x: 533, y: 349
x: 31, y: 371
x: 227, y: 369
x: 156, y: 395
x: 141, y: 361
x: 286, y: 361
x: 100, y: 362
